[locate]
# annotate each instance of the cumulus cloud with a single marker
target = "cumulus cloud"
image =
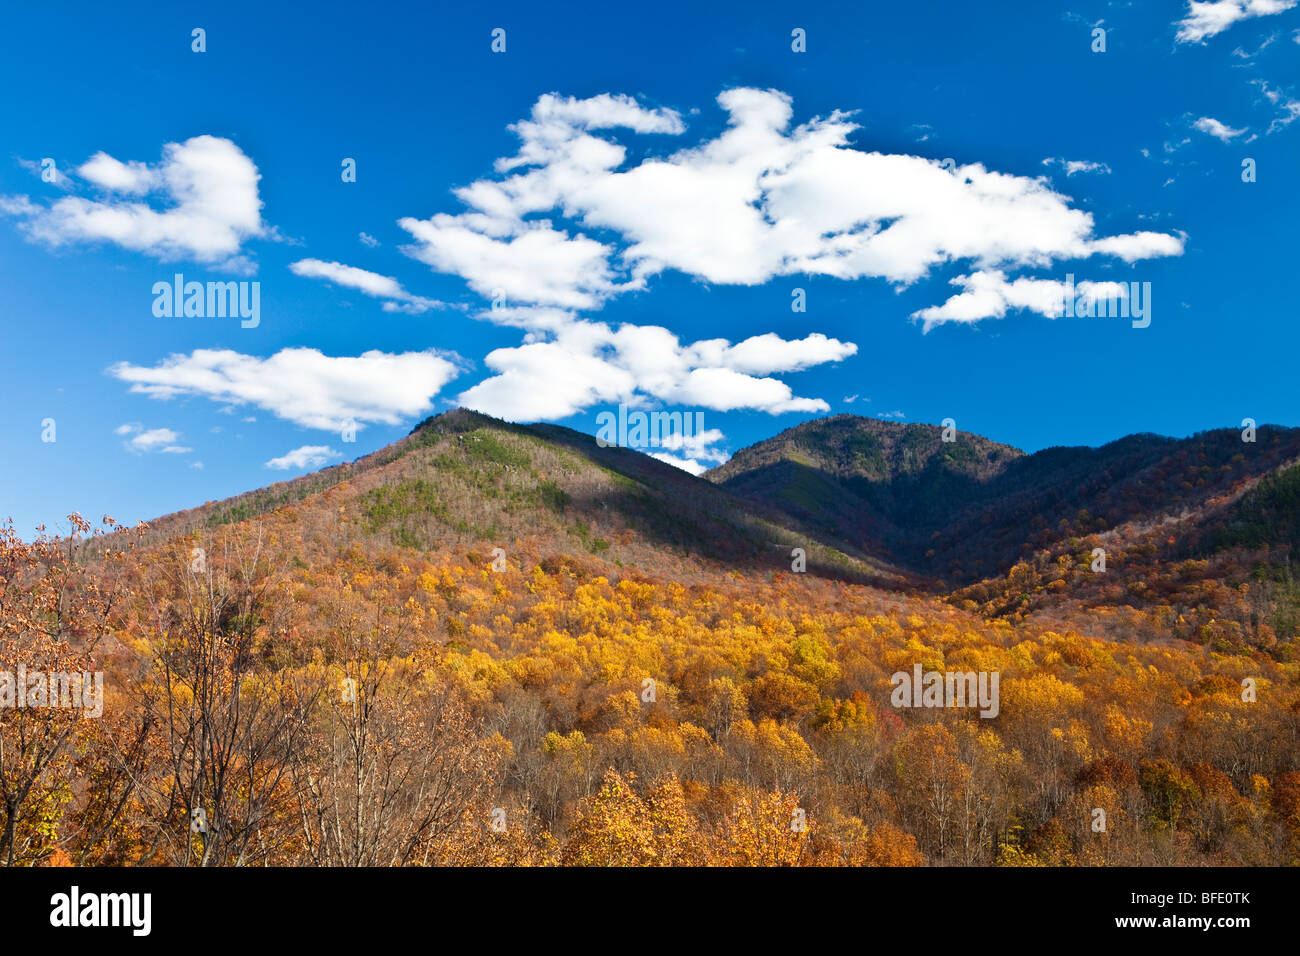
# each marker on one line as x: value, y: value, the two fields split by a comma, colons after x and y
x: 557, y: 126
x: 990, y: 294
x: 763, y: 199
x: 132, y: 178
x: 588, y: 363
x: 1212, y: 127
x: 694, y: 453
x: 567, y: 224
x: 206, y: 205
x: 144, y: 440
x: 396, y: 298
x: 536, y: 265
x: 308, y: 456
x: 685, y: 464
x: 1139, y: 245
x: 1211, y: 18
x: 767, y: 353
x: 302, y: 385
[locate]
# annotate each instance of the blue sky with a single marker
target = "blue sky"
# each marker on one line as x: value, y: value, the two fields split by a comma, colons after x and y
x: 638, y: 193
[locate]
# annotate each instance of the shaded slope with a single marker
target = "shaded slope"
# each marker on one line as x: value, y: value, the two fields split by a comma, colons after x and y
x: 968, y: 509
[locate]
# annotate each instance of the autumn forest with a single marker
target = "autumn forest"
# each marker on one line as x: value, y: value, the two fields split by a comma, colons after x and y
x: 503, y: 645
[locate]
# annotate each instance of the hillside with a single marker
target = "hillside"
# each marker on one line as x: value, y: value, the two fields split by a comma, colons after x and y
x: 883, y: 487
x: 1196, y: 533
x: 464, y: 479
x: 971, y: 508
x: 638, y: 678
x: 991, y: 529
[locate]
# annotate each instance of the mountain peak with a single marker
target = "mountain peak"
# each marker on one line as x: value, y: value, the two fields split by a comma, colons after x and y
x: 870, y: 449
x: 459, y: 419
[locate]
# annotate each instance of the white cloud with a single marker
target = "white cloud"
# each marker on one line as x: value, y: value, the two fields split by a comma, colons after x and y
x: 539, y: 265
x: 1074, y: 166
x: 145, y: 440
x: 302, y: 385
x: 760, y: 200
x: 685, y: 464
x: 1211, y: 18
x: 1220, y: 131
x: 533, y: 263
x: 767, y: 353
x: 308, y: 456
x: 544, y: 380
x: 368, y: 241
x: 55, y: 173
x: 989, y: 295
x: 1139, y: 245
x: 18, y: 206
x: 696, y: 446
x: 694, y: 450
x: 726, y: 390
x: 208, y: 197
x: 116, y: 176
x: 1267, y: 42
x: 153, y: 439
x: 396, y: 298
x: 557, y: 122
x: 568, y: 224
x: 588, y: 363
x: 1290, y: 107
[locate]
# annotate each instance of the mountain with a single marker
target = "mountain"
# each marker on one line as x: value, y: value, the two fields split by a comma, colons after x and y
x: 1146, y: 535
x: 870, y: 501
x: 1183, y: 523
x: 465, y: 479
x: 882, y: 487
x: 968, y: 508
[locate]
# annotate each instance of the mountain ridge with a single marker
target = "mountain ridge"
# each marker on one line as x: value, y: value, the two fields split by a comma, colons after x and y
x: 926, y: 513
x: 886, y: 504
